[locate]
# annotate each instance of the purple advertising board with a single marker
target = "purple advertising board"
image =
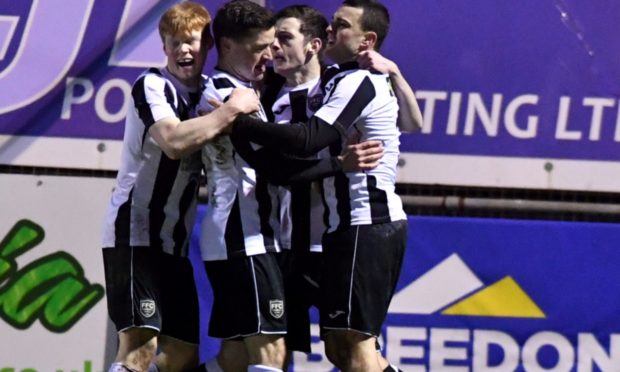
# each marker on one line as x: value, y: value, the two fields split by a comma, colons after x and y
x: 513, y: 94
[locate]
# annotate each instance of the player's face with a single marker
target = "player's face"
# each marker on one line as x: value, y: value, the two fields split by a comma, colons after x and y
x: 344, y: 35
x: 291, y: 48
x: 186, y: 56
x: 251, y: 56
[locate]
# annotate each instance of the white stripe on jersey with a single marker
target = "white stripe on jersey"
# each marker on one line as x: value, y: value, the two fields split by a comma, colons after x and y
x: 362, y: 105
x: 242, y: 215
x: 311, y: 226
x: 154, y: 201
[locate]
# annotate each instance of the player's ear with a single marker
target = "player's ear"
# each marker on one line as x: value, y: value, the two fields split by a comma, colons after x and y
x: 315, y: 45
x: 226, y: 44
x: 370, y: 41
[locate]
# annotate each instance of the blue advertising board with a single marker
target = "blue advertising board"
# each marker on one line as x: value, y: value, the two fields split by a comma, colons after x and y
x: 494, y: 295
x: 513, y: 94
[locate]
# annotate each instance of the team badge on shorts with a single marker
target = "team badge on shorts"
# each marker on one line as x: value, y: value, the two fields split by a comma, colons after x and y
x: 147, y: 308
x: 276, y: 308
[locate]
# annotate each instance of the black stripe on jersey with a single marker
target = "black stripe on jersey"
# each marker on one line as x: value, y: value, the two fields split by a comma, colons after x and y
x: 233, y: 236
x: 325, y: 206
x: 341, y: 187
x: 361, y: 98
x: 183, y: 110
x: 166, y: 175
x: 299, y: 102
x: 379, y: 211
x: 332, y: 71
x: 221, y: 83
x: 170, y: 98
x: 122, y: 224
x: 180, y: 231
x: 300, y: 193
x: 264, y: 210
x: 300, y: 216
x: 343, y: 199
x: 141, y: 104
x: 273, y: 85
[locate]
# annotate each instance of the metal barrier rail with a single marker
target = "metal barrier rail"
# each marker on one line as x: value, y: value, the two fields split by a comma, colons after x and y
x: 460, y: 203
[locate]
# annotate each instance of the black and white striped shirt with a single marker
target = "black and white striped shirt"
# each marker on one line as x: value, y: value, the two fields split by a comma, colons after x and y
x: 362, y: 106
x: 303, y: 219
x: 242, y: 215
x: 154, y: 201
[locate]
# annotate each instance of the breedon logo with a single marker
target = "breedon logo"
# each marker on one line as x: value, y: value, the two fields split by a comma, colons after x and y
x: 448, y: 319
x: 452, y: 288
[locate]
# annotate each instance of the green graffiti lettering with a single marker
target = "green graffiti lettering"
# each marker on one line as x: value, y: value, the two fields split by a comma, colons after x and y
x: 22, y: 237
x: 52, y: 289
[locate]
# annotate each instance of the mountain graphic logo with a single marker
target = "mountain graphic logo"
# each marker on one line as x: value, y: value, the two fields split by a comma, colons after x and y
x: 452, y: 288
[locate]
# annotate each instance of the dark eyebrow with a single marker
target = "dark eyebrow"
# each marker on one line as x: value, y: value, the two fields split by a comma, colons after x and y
x: 343, y: 20
x: 285, y: 32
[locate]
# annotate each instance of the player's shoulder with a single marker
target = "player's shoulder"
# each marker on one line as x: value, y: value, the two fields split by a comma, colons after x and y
x: 151, y: 76
x: 348, y: 75
x: 338, y: 70
x: 218, y: 86
x: 150, y: 85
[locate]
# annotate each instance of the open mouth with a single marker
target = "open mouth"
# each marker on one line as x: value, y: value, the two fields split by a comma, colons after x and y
x: 185, y: 62
x: 259, y: 69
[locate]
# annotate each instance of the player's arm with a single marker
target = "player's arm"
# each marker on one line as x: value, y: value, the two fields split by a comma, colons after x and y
x: 180, y: 138
x: 409, y: 114
x: 327, y: 126
x: 298, y: 139
x: 283, y: 169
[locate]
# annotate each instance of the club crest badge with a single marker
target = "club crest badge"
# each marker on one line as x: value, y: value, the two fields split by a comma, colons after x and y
x: 276, y: 308
x: 315, y: 102
x: 147, y: 308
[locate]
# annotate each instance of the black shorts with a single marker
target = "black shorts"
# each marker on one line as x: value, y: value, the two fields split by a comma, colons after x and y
x: 360, y: 272
x: 152, y: 289
x: 248, y: 297
x: 301, y: 270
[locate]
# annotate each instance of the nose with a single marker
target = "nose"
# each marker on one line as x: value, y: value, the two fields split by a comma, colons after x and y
x: 267, y: 55
x: 275, y: 45
x: 185, y: 47
x: 329, y: 29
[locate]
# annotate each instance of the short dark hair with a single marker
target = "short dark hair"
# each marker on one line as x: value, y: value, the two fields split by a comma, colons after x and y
x: 375, y: 18
x: 240, y: 19
x: 313, y: 23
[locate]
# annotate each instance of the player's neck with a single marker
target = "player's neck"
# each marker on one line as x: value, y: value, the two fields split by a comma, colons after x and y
x: 310, y: 71
x: 229, y: 67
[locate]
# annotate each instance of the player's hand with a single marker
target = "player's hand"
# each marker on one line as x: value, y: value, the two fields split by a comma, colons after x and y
x: 215, y: 102
x: 362, y: 156
x: 244, y: 100
x: 372, y: 60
